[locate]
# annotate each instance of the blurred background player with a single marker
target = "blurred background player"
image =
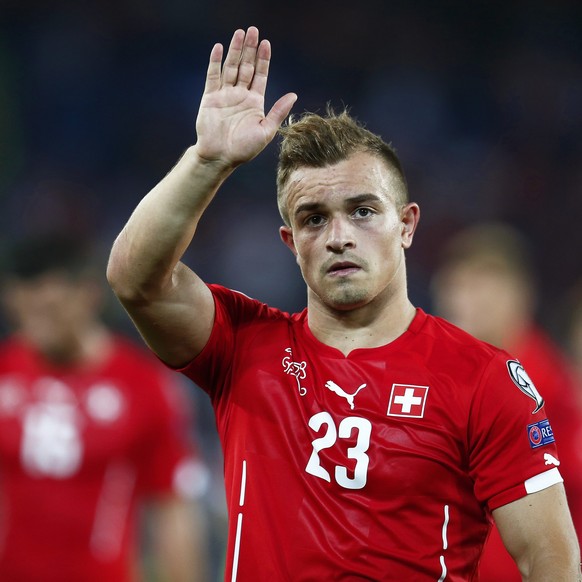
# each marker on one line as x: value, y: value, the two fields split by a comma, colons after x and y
x: 93, y: 436
x: 486, y: 284
x: 571, y: 328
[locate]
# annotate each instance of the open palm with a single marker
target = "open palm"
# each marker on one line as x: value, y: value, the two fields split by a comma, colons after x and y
x: 232, y: 127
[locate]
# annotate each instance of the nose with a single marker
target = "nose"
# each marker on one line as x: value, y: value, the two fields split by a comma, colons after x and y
x: 340, y: 235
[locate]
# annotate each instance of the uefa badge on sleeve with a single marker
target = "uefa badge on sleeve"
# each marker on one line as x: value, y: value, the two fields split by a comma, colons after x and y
x: 540, y: 434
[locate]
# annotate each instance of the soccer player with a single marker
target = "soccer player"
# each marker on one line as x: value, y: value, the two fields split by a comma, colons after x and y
x: 92, y: 435
x: 485, y: 283
x: 363, y: 438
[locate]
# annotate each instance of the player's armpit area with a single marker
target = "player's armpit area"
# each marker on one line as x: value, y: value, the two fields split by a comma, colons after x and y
x: 175, y: 325
x: 538, y: 532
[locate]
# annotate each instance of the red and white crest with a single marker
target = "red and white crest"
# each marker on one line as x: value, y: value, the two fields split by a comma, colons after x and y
x: 407, y: 400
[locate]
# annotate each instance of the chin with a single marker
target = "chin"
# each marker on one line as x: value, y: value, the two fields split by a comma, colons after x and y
x: 347, y: 299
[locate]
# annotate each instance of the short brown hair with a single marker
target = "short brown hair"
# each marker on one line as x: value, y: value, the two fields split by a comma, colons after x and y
x: 316, y: 141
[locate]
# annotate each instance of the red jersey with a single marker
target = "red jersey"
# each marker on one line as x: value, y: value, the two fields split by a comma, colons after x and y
x: 550, y: 369
x: 78, y: 448
x: 379, y: 465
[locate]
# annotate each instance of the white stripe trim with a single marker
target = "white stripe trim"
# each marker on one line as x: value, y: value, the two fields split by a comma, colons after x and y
x: 543, y: 481
x: 241, y: 502
x: 243, y: 484
x: 236, y: 548
x: 445, y: 525
x: 445, y: 543
x: 444, y: 567
x: 111, y: 513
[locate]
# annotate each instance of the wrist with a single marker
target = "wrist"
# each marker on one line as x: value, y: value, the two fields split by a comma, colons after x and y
x: 216, y: 166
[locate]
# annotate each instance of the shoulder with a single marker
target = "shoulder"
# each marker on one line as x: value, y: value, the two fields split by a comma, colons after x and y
x: 495, y: 377
x: 454, y: 351
x: 447, y: 336
x: 241, y: 307
x: 14, y: 351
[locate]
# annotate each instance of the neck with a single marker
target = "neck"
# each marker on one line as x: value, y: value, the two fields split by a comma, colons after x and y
x: 85, y: 349
x: 368, y: 326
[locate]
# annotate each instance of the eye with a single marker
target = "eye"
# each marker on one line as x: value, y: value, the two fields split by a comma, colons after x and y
x: 314, y: 220
x: 363, y: 212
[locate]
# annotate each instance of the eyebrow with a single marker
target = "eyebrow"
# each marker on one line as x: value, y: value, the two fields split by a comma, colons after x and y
x: 353, y: 200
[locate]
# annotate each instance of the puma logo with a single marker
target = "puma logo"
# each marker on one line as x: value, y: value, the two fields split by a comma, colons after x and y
x: 341, y: 392
x: 550, y: 460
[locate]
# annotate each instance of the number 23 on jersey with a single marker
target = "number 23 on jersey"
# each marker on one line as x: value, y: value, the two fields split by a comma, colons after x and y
x: 331, y: 433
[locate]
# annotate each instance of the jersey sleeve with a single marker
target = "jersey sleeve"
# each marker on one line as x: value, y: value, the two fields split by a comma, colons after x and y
x: 234, y: 311
x: 512, y: 449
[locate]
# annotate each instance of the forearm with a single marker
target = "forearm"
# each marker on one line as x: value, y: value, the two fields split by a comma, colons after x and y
x: 160, y: 229
x: 180, y: 543
x: 554, y: 568
x: 231, y: 129
x: 559, y: 562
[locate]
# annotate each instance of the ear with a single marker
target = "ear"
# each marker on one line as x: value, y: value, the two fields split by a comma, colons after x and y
x: 286, y: 234
x: 409, y: 215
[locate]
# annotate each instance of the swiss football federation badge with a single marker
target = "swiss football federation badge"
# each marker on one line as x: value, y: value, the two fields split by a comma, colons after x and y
x: 407, y: 400
x: 524, y: 383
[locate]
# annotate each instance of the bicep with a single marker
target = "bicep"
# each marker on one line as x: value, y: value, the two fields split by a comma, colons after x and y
x: 537, y: 531
x: 176, y: 323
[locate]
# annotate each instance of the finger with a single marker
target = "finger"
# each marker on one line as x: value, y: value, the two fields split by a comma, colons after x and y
x: 246, y: 68
x: 213, y: 72
x: 280, y: 111
x: 263, y: 59
x: 230, y: 68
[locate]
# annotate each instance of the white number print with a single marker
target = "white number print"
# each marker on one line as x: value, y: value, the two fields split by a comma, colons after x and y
x: 364, y: 430
x: 51, y: 440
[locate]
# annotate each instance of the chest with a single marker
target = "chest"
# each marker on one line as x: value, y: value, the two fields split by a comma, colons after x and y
x: 377, y: 423
x: 58, y: 425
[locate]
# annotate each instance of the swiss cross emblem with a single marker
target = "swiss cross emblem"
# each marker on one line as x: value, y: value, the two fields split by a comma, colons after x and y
x: 407, y: 400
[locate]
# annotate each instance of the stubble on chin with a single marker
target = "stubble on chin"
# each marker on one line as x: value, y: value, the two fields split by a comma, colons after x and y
x: 344, y: 296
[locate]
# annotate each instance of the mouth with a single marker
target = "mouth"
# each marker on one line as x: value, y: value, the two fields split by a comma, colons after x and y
x: 343, y: 269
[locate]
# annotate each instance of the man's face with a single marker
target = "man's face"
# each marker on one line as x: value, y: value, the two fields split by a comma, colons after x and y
x: 349, y: 231
x: 50, y: 309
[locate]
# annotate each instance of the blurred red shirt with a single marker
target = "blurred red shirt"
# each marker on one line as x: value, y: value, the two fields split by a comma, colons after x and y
x: 79, y: 446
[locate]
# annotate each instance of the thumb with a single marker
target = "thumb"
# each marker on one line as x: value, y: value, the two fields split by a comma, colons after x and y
x: 280, y: 111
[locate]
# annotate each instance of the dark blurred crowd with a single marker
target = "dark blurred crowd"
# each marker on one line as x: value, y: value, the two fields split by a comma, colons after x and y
x: 482, y: 101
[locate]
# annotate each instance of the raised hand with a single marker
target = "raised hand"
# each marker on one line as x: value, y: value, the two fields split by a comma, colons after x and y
x: 232, y: 127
